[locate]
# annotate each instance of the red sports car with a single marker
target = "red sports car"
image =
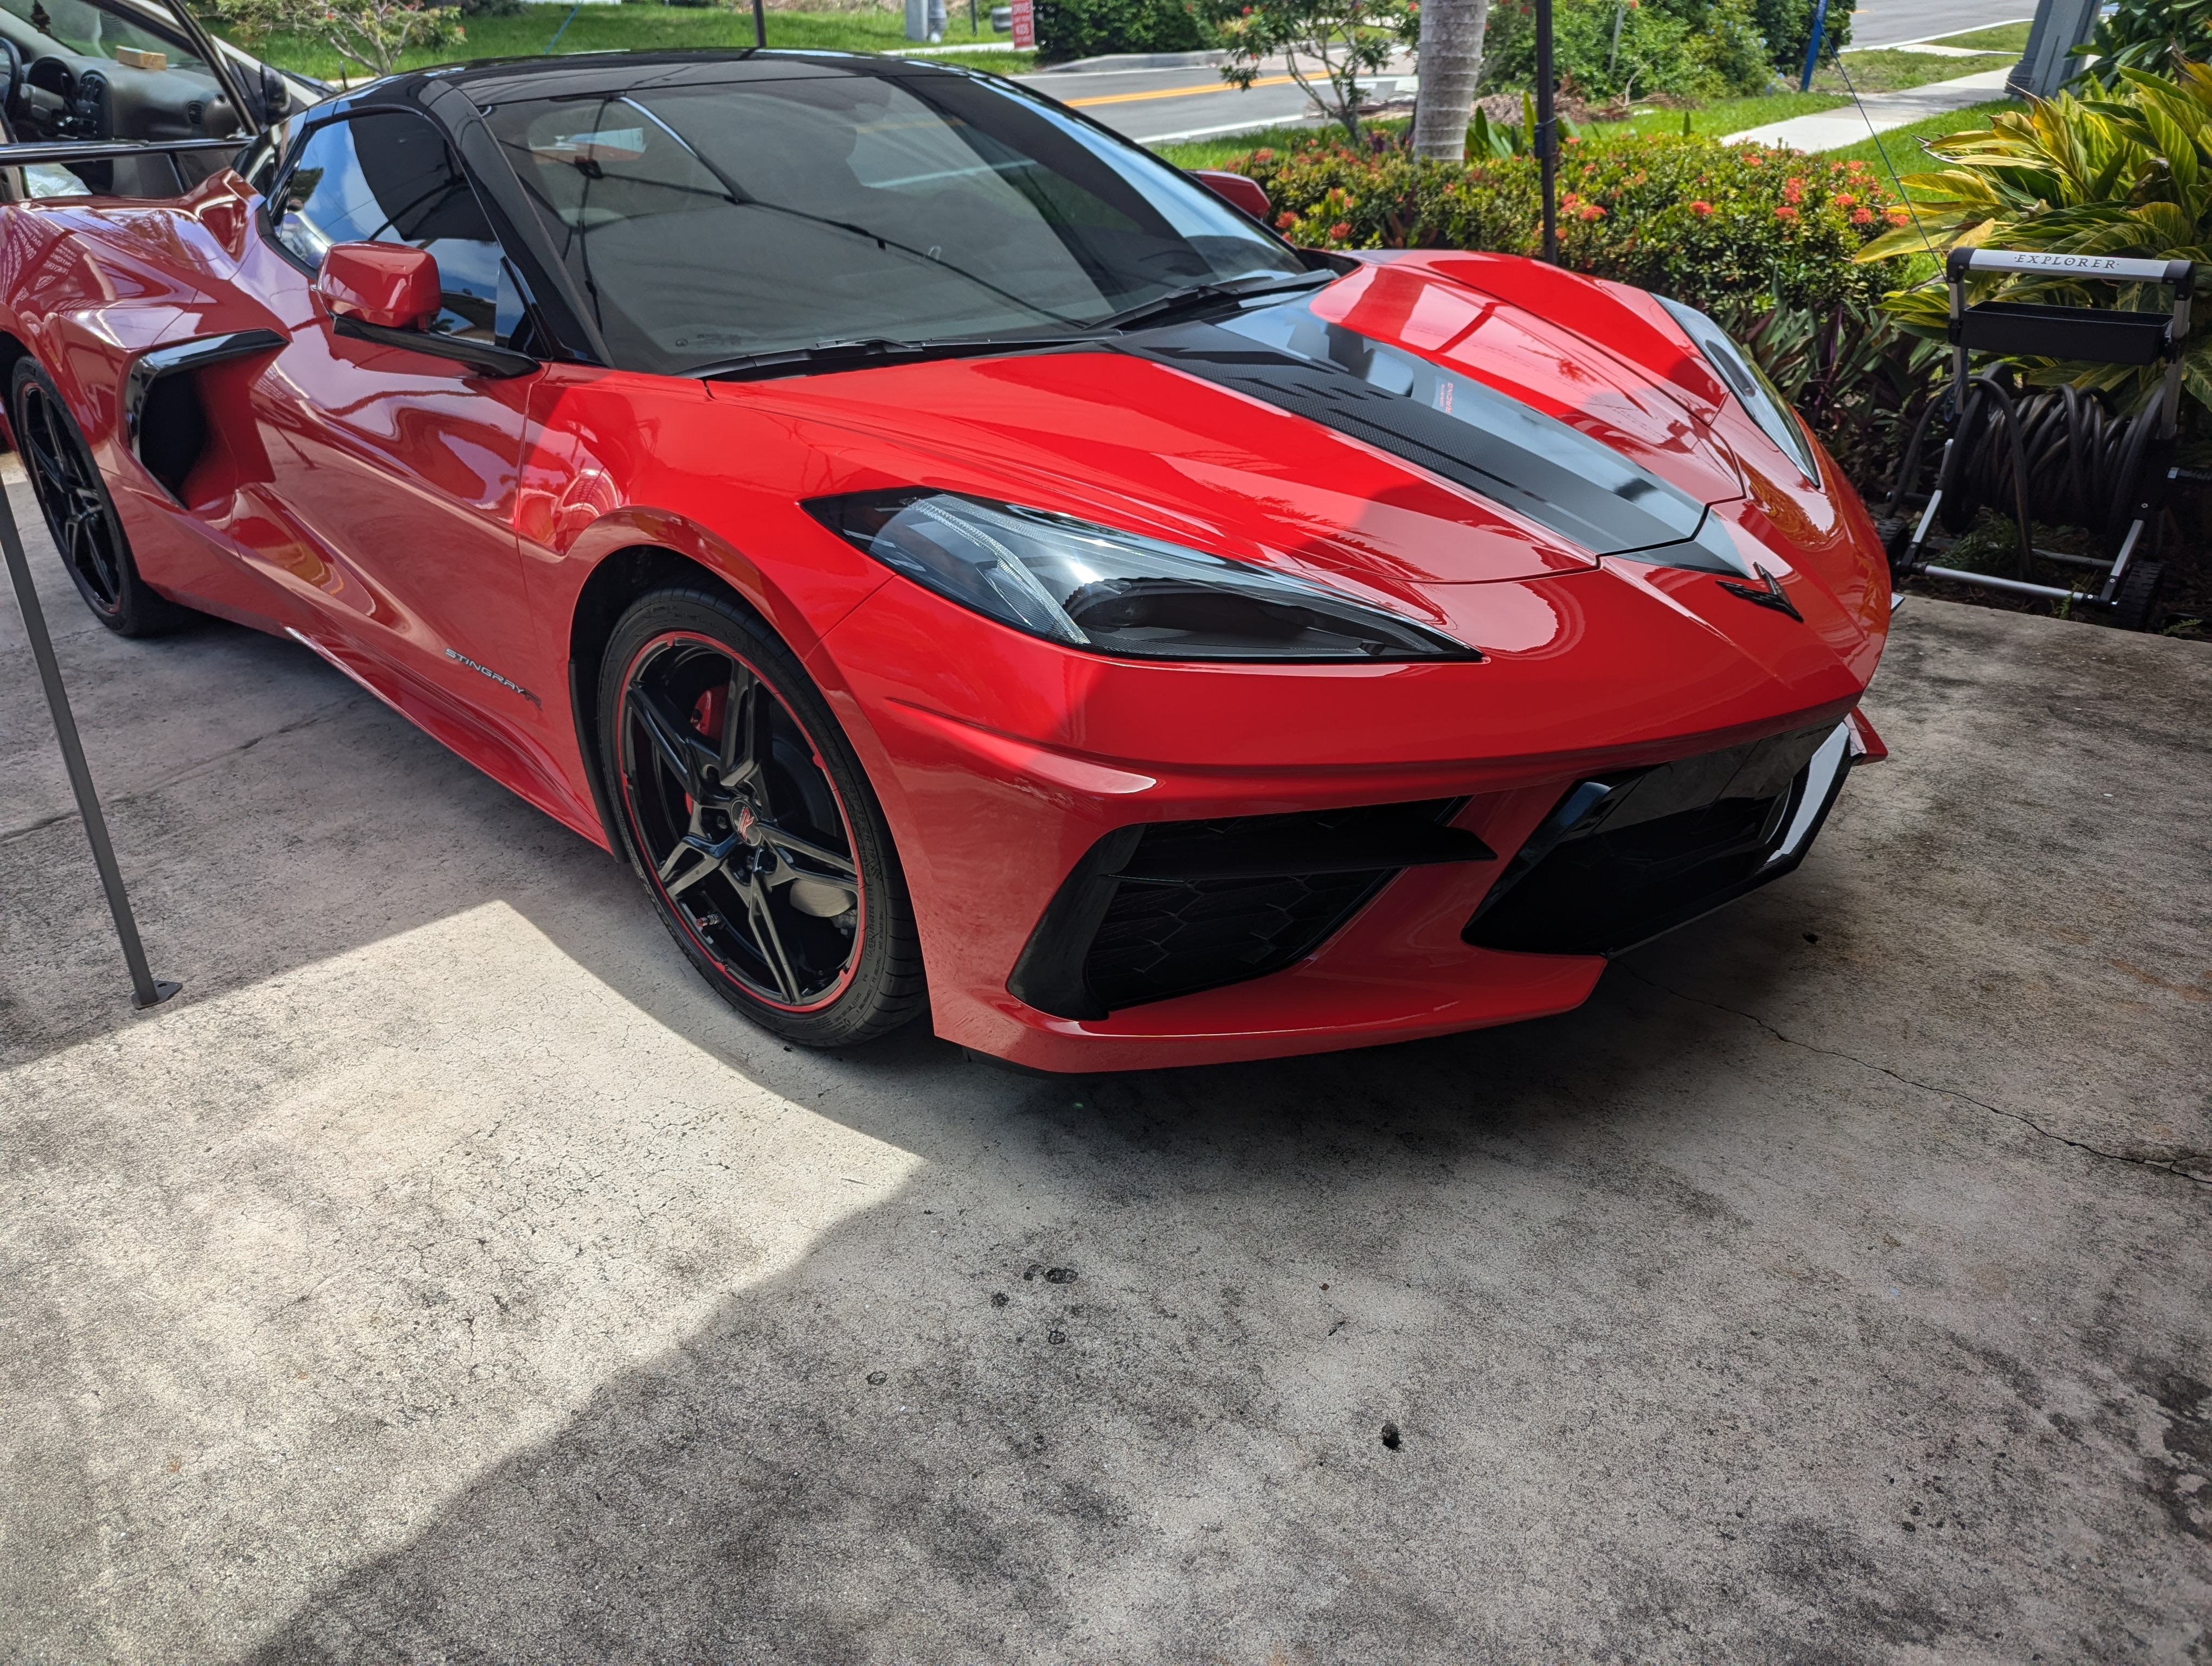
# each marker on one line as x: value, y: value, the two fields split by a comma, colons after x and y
x: 967, y: 565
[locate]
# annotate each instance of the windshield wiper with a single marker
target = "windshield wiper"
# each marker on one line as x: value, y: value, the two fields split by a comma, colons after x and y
x: 868, y: 350
x: 1199, y: 296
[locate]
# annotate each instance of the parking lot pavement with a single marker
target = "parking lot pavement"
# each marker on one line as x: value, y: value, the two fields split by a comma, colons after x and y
x: 445, y: 1277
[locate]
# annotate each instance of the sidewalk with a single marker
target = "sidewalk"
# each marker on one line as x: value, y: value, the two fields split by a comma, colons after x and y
x: 1878, y: 113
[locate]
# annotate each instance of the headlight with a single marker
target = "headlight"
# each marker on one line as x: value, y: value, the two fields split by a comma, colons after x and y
x: 1749, y: 382
x: 1113, y: 592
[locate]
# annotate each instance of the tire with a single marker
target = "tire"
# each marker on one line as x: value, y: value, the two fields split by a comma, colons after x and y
x: 2136, y: 607
x: 80, y: 514
x: 747, y: 815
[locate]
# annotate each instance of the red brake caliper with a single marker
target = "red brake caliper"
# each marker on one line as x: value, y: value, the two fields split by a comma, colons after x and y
x: 707, y: 719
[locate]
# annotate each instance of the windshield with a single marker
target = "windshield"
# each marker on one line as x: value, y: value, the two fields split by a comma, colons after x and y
x: 701, y: 223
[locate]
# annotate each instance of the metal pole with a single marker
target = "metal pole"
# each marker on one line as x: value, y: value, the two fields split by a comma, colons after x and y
x: 760, y: 26
x: 1548, y: 131
x: 145, y: 991
x: 1813, y: 46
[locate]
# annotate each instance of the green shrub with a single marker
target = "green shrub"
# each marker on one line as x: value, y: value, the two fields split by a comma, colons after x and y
x: 1690, y: 218
x: 1698, y: 49
x: 2145, y: 34
x: 1085, y: 28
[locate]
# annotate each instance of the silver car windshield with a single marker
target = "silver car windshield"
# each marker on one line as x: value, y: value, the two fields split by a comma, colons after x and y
x: 704, y: 222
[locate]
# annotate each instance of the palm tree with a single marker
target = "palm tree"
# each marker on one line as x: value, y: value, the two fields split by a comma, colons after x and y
x: 1450, y: 65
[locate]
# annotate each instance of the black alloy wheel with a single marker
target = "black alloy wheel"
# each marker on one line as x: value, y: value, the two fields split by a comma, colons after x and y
x: 752, y: 824
x: 80, y: 514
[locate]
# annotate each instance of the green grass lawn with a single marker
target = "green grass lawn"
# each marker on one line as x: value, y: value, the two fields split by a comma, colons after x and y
x: 1211, y: 153
x: 1892, y: 72
x: 2005, y: 38
x: 1721, y: 116
x: 651, y: 27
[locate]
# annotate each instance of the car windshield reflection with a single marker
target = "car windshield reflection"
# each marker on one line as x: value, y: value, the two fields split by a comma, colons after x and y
x: 704, y: 223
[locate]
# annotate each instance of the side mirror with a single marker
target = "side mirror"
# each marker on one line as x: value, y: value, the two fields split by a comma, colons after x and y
x: 1236, y: 190
x: 387, y: 285
x: 276, y: 97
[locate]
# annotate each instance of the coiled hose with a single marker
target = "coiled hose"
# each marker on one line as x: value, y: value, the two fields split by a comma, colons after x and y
x: 2056, y: 455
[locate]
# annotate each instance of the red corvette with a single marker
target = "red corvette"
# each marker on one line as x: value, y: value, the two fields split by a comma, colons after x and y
x: 967, y: 565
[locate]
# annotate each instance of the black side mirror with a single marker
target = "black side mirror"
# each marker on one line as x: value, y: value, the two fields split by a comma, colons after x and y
x: 276, y: 97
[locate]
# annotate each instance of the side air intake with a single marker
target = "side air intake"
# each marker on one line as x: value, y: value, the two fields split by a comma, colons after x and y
x: 162, y: 417
x: 1173, y: 907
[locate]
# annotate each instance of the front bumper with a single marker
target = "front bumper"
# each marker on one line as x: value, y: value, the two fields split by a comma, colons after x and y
x: 1004, y: 764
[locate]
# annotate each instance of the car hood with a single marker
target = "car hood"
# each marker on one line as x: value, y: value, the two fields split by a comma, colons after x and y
x: 1396, y: 428
x: 1402, y: 436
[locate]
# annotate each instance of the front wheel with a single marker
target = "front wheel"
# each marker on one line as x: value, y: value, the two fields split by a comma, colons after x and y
x: 758, y: 835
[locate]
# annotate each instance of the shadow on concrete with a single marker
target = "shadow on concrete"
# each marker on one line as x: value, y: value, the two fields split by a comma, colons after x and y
x: 1180, y: 1453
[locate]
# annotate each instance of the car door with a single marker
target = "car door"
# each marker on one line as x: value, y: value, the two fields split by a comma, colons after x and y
x: 391, y: 472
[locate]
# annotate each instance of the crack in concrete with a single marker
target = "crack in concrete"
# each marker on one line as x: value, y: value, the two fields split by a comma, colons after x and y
x: 189, y: 770
x: 2165, y: 1164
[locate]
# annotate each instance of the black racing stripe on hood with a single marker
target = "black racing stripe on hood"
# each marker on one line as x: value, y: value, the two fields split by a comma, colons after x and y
x: 1449, y: 424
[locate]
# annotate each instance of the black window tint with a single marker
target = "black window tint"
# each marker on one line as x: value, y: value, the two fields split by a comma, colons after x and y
x: 387, y: 177
x: 704, y: 221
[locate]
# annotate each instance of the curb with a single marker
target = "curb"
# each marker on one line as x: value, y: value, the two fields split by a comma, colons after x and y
x: 1133, y: 61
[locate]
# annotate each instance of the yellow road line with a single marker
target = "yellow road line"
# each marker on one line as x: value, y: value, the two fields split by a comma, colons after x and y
x: 1181, y: 92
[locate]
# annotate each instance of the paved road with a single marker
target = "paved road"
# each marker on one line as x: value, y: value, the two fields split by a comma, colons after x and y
x: 1885, y: 22
x: 1156, y: 106
x: 447, y: 1276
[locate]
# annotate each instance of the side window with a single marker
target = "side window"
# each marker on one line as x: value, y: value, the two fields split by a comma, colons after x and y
x: 387, y: 177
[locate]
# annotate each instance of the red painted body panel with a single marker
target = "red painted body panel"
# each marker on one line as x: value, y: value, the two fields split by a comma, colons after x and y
x: 432, y: 532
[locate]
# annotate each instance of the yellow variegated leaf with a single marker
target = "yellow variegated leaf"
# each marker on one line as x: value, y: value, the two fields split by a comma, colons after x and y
x: 2176, y: 146
x: 2164, y: 225
x: 2168, y: 99
x: 1915, y: 237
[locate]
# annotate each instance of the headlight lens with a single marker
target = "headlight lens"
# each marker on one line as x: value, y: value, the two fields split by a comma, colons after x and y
x: 1750, y: 385
x: 1112, y: 592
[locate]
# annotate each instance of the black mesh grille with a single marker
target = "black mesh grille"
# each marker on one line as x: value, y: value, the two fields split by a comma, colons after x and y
x: 1173, y: 907
x: 1162, y: 940
x: 1627, y: 857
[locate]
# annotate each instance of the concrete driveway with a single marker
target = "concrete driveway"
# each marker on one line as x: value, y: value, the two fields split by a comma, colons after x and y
x: 445, y: 1277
